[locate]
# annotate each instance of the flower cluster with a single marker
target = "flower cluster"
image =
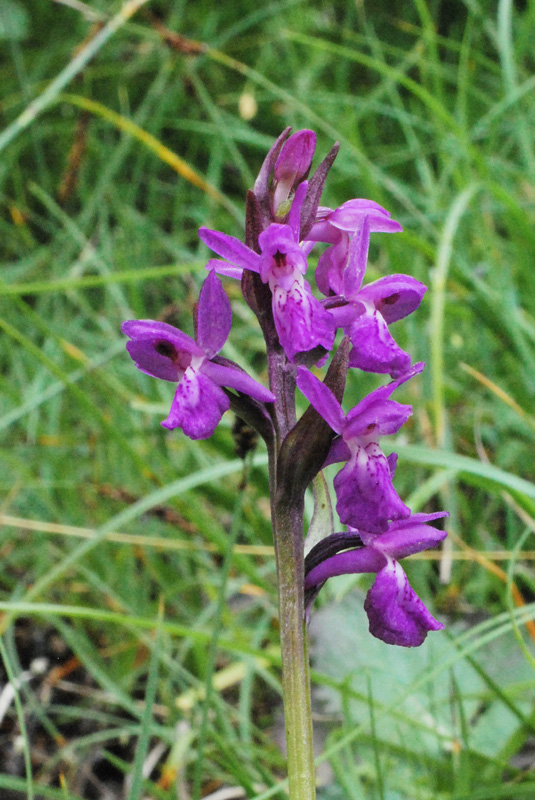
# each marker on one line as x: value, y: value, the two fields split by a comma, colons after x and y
x: 300, y: 322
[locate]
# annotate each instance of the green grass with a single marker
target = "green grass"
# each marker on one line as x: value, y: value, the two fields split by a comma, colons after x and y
x: 125, y: 146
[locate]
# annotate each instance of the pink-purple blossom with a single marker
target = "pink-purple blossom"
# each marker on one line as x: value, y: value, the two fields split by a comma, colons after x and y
x: 366, y: 498
x: 365, y: 313
x: 165, y: 352
x: 395, y: 612
x: 301, y: 322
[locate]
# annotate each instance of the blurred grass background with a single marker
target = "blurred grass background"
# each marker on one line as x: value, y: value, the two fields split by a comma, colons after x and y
x: 141, y: 647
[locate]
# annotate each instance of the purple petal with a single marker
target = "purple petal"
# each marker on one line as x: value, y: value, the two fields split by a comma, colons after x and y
x: 374, y: 349
x: 394, y: 296
x: 292, y: 164
x: 214, y: 316
x: 420, y: 518
x: 296, y: 156
x: 323, y: 231
x: 409, y: 538
x: 236, y: 379
x: 349, y: 217
x: 392, y: 464
x: 395, y: 612
x: 384, y: 392
x: 380, y: 419
x: 323, y: 400
x: 301, y: 322
x: 331, y: 266
x: 339, y: 451
x: 224, y: 268
x: 231, y: 249
x: 151, y: 329
x: 357, y: 261
x: 261, y: 184
x: 366, y: 496
x: 159, y: 349
x: 350, y: 562
x: 197, y: 406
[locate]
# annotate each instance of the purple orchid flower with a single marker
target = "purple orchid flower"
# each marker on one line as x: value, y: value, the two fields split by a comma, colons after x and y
x: 395, y: 612
x: 338, y: 228
x: 300, y: 320
x: 366, y: 498
x: 163, y: 351
x: 365, y: 313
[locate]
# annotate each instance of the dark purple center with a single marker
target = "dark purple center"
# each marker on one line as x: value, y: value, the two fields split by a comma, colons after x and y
x: 280, y: 258
x: 166, y: 349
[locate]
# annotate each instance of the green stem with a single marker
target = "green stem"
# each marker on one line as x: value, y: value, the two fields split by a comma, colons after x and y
x: 288, y: 533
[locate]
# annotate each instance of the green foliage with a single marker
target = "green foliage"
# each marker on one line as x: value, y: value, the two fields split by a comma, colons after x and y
x: 433, y: 104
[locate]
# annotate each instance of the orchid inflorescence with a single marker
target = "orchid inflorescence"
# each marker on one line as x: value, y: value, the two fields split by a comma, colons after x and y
x: 284, y: 222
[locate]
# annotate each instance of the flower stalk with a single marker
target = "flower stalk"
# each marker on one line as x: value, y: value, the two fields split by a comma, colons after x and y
x: 288, y: 533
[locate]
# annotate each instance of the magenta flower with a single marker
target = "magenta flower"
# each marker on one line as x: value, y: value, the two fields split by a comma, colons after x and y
x: 366, y: 498
x: 339, y: 228
x: 163, y: 351
x: 365, y: 313
x: 395, y: 612
x: 300, y: 320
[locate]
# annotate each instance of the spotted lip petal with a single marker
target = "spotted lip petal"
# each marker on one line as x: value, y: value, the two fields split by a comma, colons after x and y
x: 374, y: 349
x: 395, y: 612
x: 366, y: 498
x: 197, y: 406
